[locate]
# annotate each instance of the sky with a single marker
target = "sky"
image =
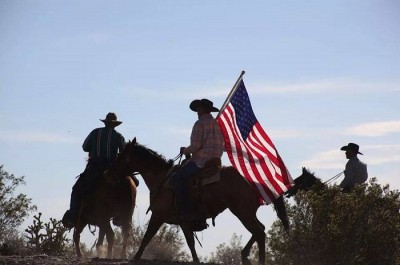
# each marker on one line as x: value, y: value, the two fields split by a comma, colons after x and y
x: 319, y: 74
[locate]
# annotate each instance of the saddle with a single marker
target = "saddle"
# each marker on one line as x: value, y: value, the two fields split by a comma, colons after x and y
x: 209, y: 174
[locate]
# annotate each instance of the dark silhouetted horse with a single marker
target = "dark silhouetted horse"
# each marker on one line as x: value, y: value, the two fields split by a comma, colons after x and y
x: 108, y: 201
x: 305, y: 181
x: 231, y: 191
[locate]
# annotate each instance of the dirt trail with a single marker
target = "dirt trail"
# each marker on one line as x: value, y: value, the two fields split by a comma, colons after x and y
x: 50, y: 260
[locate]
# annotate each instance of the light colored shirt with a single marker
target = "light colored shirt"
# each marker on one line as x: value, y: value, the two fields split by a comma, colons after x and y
x: 355, y: 173
x: 206, y: 141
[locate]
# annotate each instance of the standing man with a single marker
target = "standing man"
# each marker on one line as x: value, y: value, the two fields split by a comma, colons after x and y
x: 103, y: 145
x: 356, y: 171
x: 206, y: 143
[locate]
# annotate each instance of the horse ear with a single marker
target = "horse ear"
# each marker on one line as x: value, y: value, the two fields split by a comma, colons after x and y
x: 134, y: 140
x: 304, y: 170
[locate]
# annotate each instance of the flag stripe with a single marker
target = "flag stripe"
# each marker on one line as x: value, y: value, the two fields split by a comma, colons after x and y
x: 272, y: 160
x: 264, y: 163
x: 281, y: 168
x: 267, y: 166
x: 238, y: 157
x: 250, y: 149
x: 280, y: 163
x: 246, y: 161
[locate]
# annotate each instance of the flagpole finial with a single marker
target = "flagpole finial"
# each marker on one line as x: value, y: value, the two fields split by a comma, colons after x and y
x: 231, y: 93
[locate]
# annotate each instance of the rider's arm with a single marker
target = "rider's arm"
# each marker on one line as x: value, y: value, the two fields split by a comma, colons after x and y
x: 195, y: 139
x: 349, y: 175
x: 121, y: 144
x: 87, y: 144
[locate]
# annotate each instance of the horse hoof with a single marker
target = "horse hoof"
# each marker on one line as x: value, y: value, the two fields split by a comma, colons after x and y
x: 246, y: 261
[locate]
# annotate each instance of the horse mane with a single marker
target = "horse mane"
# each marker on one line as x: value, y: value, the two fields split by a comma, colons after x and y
x: 307, y: 171
x: 150, y: 156
x: 304, y: 182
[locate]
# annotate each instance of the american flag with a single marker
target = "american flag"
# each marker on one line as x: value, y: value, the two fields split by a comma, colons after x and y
x: 249, y: 148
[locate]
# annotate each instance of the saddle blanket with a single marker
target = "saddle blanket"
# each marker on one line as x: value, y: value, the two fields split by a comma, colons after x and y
x: 207, y: 176
x: 203, y: 178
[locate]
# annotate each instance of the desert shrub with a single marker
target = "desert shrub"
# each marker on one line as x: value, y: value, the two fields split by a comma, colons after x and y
x: 14, y: 208
x: 332, y: 227
x: 228, y: 254
x: 167, y: 244
x: 13, y: 245
x: 48, y: 238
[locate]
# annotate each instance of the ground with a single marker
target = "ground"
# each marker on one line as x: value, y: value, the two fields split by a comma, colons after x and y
x: 49, y: 260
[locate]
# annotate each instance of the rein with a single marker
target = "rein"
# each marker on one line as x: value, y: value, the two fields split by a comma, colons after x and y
x: 154, y: 193
x: 198, y: 241
x: 158, y: 188
x: 179, y: 156
x: 334, y: 177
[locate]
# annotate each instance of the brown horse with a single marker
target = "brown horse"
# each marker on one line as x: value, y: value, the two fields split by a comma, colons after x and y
x: 231, y: 191
x: 108, y: 201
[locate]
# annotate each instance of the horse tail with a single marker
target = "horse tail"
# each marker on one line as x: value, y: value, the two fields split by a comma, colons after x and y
x: 133, y: 190
x: 280, y: 208
x: 131, y: 194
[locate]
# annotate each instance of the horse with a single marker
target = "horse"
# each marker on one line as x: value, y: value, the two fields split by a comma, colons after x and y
x: 231, y: 192
x: 108, y: 202
x: 305, y: 182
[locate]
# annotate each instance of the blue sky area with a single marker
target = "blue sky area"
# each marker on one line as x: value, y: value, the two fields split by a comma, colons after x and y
x: 320, y: 74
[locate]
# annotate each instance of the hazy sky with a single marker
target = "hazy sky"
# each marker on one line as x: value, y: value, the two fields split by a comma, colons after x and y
x: 320, y: 74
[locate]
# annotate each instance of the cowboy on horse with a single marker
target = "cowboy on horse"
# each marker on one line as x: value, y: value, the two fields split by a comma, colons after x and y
x: 356, y: 171
x: 206, y: 144
x: 103, y: 145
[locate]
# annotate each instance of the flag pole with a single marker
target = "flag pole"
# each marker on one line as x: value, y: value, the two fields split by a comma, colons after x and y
x: 234, y: 88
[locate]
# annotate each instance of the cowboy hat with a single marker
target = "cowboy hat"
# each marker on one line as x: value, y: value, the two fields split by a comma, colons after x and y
x: 351, y: 146
x: 207, y: 104
x: 111, y: 118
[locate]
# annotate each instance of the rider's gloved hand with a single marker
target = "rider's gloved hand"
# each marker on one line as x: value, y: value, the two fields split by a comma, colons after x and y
x: 182, y: 150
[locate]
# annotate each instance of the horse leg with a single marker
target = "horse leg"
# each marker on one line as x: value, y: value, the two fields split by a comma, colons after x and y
x: 77, y: 237
x: 126, y: 232
x: 246, y: 250
x: 152, y: 228
x: 258, y: 236
x: 99, y: 245
x: 256, y: 228
x: 110, y: 239
x: 187, y: 231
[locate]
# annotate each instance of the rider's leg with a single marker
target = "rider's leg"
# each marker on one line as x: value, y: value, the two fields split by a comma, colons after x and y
x: 70, y: 216
x: 180, y: 182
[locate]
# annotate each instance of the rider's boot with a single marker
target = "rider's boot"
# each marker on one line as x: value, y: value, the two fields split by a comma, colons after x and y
x: 70, y: 217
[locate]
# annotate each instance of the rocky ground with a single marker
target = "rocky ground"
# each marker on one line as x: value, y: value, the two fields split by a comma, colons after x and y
x: 49, y: 260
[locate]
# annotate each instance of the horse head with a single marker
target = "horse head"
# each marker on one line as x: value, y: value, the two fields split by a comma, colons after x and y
x: 136, y: 158
x: 123, y: 164
x: 304, y: 182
